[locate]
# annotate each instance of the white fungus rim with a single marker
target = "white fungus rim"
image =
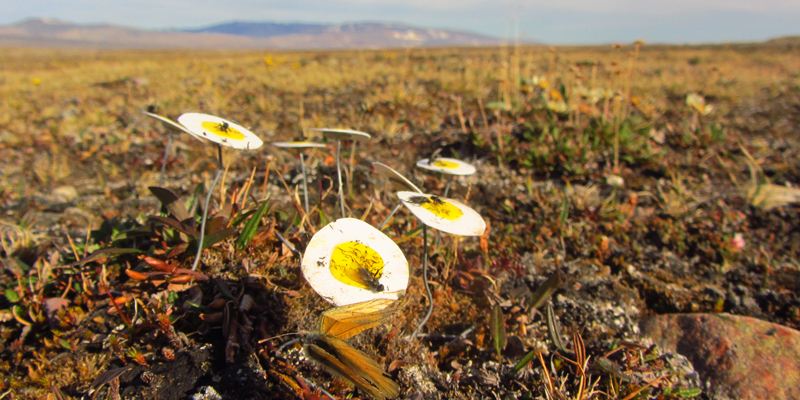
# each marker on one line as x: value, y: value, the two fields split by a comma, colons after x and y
x: 343, y: 134
x: 462, y: 168
x: 298, y: 145
x: 470, y: 223
x: 317, y: 256
x: 194, y: 124
x: 394, y: 176
x: 168, y: 123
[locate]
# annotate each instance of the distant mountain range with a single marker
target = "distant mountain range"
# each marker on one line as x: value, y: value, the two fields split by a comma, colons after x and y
x: 235, y: 35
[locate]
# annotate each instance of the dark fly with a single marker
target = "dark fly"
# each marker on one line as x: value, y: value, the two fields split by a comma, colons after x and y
x: 418, y: 200
x: 425, y: 200
x: 370, y: 279
x: 432, y: 159
x: 223, y: 127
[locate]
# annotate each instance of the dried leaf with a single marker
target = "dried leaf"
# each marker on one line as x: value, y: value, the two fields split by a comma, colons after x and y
x: 181, y: 279
x: 135, y: 275
x: 212, y: 318
x: 485, y: 241
x: 217, y: 223
x: 175, y: 224
x: 158, y: 264
x: 171, y: 201
x: 608, y: 366
x: 178, y: 250
x: 543, y: 293
x: 122, y: 299
x: 53, y: 304
x: 198, y: 276
x: 108, y: 376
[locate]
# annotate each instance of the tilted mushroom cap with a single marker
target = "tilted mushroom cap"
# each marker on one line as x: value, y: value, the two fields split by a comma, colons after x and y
x: 343, y: 134
x: 348, y: 261
x: 446, y: 215
x: 220, y: 131
x: 297, y: 144
x: 447, y: 166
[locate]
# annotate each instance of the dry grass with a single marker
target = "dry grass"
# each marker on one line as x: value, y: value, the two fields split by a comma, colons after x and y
x: 547, y: 152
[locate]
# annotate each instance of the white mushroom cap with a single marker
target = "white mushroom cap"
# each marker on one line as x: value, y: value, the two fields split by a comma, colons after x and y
x: 297, y: 144
x: 343, y: 134
x: 447, y: 166
x: 220, y: 131
x: 446, y: 215
x: 348, y: 261
x: 168, y: 123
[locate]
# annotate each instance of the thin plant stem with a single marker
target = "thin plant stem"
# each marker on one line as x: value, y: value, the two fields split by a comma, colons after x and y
x: 391, y: 214
x: 288, y: 244
x: 425, y: 281
x: 339, y: 174
x: 350, y: 175
x: 305, y: 183
x: 447, y: 187
x: 164, y: 161
x: 205, y: 211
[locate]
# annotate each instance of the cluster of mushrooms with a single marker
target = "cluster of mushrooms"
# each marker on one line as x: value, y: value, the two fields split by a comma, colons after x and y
x: 350, y: 263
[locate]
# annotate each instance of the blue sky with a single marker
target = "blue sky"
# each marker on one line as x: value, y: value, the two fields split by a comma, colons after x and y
x: 547, y: 21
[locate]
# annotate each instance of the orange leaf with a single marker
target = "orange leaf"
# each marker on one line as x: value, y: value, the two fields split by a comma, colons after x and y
x: 485, y: 241
x: 158, y: 264
x: 135, y: 275
x: 181, y: 279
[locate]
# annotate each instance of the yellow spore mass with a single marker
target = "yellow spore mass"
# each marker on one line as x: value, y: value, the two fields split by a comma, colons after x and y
x: 445, y: 164
x: 217, y: 129
x: 443, y: 209
x: 348, y: 257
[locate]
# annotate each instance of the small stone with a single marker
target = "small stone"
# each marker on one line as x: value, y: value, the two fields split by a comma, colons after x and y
x: 65, y: 194
x: 615, y: 181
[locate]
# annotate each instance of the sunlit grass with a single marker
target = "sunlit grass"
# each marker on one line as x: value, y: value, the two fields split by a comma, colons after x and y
x: 584, y: 149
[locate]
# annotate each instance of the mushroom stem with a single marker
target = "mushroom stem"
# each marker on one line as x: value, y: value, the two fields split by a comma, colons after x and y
x: 289, y: 245
x: 205, y: 210
x: 391, y: 214
x: 447, y: 187
x: 339, y: 175
x: 350, y: 174
x: 425, y: 281
x: 305, y: 183
x: 164, y: 161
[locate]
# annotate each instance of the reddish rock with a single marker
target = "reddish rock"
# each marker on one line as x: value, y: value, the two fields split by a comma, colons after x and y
x: 736, y: 357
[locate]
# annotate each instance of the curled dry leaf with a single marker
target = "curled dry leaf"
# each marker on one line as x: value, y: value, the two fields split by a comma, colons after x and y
x: 158, y: 264
x: 135, y: 275
x: 181, y: 279
x: 217, y: 304
x: 122, y: 299
x: 213, y: 318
